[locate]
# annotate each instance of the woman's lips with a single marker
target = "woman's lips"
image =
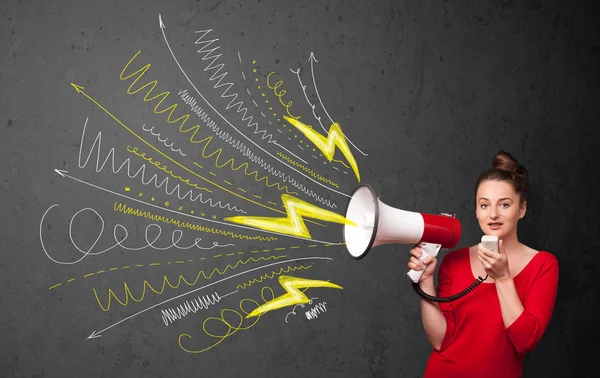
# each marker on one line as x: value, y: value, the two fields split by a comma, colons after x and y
x: 494, y: 226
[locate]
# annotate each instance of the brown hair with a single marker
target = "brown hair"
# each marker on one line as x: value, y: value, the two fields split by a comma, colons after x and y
x: 506, y: 168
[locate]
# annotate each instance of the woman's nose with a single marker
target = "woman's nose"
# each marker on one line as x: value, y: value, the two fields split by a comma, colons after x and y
x: 494, y: 213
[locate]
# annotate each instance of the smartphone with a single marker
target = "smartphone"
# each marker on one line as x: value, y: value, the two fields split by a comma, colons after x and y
x: 490, y: 242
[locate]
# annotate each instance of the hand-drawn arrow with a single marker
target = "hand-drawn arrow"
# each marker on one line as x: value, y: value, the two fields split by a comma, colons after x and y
x: 312, y: 59
x: 96, y: 334
x: 66, y: 175
x: 162, y: 28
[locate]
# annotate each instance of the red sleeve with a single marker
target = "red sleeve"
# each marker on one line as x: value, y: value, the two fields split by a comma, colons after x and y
x: 527, y: 330
x: 444, y: 289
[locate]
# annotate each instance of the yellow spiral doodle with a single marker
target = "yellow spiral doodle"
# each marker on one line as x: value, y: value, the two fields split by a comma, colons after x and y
x: 166, y: 282
x: 231, y: 328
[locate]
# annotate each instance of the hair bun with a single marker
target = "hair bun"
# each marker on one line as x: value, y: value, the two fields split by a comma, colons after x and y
x: 505, y: 162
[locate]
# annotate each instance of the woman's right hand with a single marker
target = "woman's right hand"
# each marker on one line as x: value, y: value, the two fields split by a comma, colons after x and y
x: 415, y: 264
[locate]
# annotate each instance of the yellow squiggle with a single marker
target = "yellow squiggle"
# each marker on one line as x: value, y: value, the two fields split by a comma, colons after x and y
x: 163, y: 168
x: 280, y: 94
x: 339, y: 161
x: 271, y: 275
x: 183, y: 119
x: 128, y: 294
x: 123, y: 208
x: 255, y: 172
x: 231, y: 328
x: 306, y: 169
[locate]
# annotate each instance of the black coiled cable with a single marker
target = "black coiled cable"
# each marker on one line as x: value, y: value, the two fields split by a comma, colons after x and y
x: 451, y: 298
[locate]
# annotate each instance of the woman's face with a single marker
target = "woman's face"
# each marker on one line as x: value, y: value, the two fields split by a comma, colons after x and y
x: 498, y: 208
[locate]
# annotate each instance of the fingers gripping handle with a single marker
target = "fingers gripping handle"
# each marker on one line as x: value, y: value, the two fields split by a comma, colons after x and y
x: 427, y: 249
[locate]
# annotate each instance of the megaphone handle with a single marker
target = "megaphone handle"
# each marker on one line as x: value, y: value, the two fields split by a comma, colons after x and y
x: 427, y: 249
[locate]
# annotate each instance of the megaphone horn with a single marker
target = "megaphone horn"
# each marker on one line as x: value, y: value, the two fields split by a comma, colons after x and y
x: 378, y: 223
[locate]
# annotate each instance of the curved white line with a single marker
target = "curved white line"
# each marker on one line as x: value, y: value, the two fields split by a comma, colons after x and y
x: 229, y: 123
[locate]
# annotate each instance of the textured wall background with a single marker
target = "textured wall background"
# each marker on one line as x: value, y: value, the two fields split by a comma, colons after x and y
x: 430, y: 90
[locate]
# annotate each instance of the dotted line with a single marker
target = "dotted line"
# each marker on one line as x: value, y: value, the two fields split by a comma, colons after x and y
x: 289, y: 129
x: 186, y: 261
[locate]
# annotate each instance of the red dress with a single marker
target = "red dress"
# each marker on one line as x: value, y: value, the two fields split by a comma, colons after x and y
x: 476, y: 343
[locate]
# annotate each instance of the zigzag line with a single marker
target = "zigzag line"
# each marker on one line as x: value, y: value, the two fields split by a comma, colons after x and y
x: 142, y: 172
x: 271, y: 275
x: 184, y: 118
x: 128, y: 294
x: 123, y: 208
x: 219, y: 77
x: 306, y: 169
x: 191, y: 102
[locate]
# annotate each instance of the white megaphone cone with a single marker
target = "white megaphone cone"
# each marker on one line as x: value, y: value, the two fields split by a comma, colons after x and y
x: 378, y: 223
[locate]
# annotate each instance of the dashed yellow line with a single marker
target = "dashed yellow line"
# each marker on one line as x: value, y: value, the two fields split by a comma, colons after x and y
x: 183, y: 262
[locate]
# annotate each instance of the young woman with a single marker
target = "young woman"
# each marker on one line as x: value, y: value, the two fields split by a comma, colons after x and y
x: 487, y: 332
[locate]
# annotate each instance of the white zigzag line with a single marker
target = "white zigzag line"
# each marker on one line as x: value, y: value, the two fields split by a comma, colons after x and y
x: 111, y: 155
x: 220, y: 77
x: 245, y: 150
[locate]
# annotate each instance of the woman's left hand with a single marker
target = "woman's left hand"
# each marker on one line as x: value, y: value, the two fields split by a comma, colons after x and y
x: 495, y: 264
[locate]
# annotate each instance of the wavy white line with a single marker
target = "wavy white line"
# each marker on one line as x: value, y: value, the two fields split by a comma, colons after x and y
x: 142, y: 173
x: 245, y: 150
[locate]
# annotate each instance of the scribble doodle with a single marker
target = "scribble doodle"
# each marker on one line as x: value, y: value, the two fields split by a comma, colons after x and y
x: 293, y: 312
x: 96, y: 334
x: 79, y: 89
x: 163, y: 141
x: 150, y: 265
x: 280, y: 94
x: 152, y: 84
x: 231, y: 327
x: 247, y: 152
x: 335, y: 137
x: 141, y: 172
x: 166, y: 282
x: 158, y: 165
x: 271, y: 275
x: 229, y: 123
x: 306, y: 169
x: 205, y: 48
x: 293, y: 224
x: 293, y: 295
x: 120, y: 234
x: 170, y: 315
x: 126, y: 209
x: 314, y: 312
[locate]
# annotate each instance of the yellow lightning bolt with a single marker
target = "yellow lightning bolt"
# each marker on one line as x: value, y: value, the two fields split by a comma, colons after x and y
x: 293, y: 295
x: 335, y: 137
x: 293, y: 224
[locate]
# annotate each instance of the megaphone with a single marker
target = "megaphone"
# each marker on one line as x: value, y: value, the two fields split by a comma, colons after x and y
x: 378, y: 223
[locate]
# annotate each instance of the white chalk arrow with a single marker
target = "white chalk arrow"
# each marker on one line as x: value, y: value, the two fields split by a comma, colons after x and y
x: 162, y: 28
x: 312, y: 59
x: 66, y: 175
x: 98, y: 333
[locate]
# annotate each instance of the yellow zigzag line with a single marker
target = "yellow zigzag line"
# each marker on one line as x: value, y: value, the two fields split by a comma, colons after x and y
x: 271, y: 275
x: 306, y: 169
x: 128, y: 294
x: 123, y: 208
x: 183, y: 119
x: 339, y: 161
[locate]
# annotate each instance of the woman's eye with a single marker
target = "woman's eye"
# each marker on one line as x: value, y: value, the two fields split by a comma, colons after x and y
x: 505, y: 205
x: 483, y: 206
